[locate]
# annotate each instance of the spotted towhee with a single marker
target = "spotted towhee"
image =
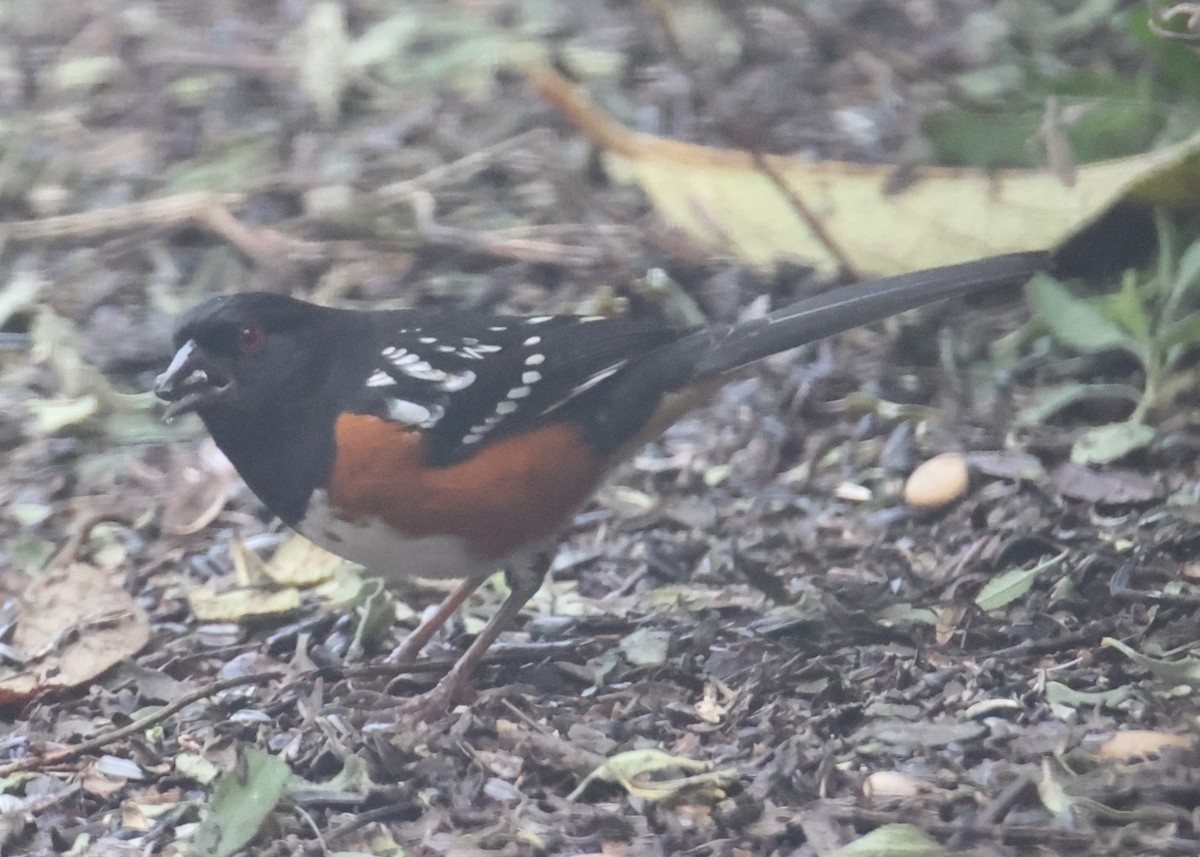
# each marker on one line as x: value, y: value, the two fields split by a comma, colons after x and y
x: 455, y: 444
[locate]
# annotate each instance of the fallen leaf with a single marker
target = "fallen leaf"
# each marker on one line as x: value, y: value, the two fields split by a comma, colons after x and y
x: 299, y: 562
x: 892, y: 840
x: 1060, y: 694
x: 892, y: 784
x: 199, y: 487
x: 195, y: 767
x: 75, y: 623
x: 244, y: 796
x: 832, y: 214
x: 243, y: 605
x: 645, y: 647
x: 321, y: 57
x: 1011, y: 585
x: 1106, y: 443
x: 632, y: 771
x: 1183, y: 671
x: 1140, y: 743
x: 1054, y: 797
x: 948, y: 618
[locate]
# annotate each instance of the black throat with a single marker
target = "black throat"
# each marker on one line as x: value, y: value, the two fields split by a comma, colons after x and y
x: 283, y: 461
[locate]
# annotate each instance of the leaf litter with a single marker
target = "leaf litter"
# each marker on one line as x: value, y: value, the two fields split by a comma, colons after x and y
x: 796, y: 632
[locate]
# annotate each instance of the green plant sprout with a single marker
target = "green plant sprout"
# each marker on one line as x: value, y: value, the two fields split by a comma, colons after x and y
x: 1153, y: 317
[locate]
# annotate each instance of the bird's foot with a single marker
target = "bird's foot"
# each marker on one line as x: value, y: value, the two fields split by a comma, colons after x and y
x: 422, y: 708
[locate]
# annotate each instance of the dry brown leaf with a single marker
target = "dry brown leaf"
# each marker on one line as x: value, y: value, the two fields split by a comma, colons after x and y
x: 75, y: 623
x: 200, y: 486
x: 835, y: 214
x: 243, y: 605
x: 882, y: 785
x: 948, y: 618
x: 1139, y: 743
x: 299, y: 562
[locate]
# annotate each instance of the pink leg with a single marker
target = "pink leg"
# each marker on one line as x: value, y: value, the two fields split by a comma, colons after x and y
x: 523, y: 586
x: 423, y: 633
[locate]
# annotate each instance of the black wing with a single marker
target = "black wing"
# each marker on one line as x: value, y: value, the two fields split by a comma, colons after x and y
x: 468, y: 380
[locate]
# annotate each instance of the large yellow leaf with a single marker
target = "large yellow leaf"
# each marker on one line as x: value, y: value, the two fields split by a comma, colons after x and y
x: 834, y: 214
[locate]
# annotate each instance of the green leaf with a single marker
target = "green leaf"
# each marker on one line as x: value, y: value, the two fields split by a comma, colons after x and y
x: 646, y: 647
x: 1075, y: 322
x: 1184, y: 671
x: 1185, y: 332
x: 892, y: 840
x: 1011, y: 585
x: 1104, y: 444
x: 1054, y: 797
x: 1060, y: 694
x: 631, y: 769
x: 244, y: 796
x: 1126, y: 308
x: 1187, y: 274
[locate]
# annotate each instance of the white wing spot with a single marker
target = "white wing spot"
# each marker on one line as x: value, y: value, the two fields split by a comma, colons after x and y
x: 403, y: 358
x: 391, y: 351
x: 530, y: 377
x: 533, y: 340
x: 506, y: 407
x: 424, y: 372
x: 498, y: 329
x: 379, y: 378
x: 584, y: 319
x: 405, y: 411
x: 539, y: 319
x: 435, y: 413
x: 458, y: 381
x: 519, y: 392
x: 535, y: 359
x: 476, y: 352
x: 427, y: 340
x: 447, y: 349
x: 596, y: 379
x: 472, y: 438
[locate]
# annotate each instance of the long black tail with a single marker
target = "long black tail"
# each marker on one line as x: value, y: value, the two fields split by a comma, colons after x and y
x: 849, y: 306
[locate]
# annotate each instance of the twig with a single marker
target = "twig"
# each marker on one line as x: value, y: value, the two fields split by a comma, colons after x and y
x: 71, y: 549
x: 57, y: 757
x: 462, y: 169
x: 1089, y: 635
x: 523, y: 244
x: 168, y: 211
x: 316, y: 828
x: 362, y: 819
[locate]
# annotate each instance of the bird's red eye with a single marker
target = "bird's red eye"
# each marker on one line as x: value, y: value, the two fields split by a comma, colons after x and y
x: 250, y: 339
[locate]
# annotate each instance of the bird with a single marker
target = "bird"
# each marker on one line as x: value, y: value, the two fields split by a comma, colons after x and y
x: 455, y: 444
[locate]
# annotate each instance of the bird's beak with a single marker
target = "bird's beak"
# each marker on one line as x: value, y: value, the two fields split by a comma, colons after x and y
x: 190, y: 382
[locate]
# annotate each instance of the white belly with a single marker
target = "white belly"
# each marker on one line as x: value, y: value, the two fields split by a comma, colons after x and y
x: 385, y: 553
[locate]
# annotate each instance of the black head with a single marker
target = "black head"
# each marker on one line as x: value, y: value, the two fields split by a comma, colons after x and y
x: 242, y: 353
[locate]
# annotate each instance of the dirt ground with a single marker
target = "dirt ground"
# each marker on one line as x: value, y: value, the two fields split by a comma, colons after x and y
x: 750, y: 593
